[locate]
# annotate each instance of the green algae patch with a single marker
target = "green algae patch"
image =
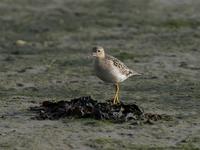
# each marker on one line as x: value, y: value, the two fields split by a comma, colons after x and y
x: 181, y: 23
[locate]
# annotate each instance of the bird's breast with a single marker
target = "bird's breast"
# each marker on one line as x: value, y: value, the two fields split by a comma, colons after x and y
x: 107, y: 72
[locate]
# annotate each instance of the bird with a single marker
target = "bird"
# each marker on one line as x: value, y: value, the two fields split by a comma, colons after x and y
x: 111, y: 70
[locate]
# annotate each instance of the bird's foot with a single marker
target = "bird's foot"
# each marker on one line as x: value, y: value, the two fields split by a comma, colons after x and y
x: 115, y: 101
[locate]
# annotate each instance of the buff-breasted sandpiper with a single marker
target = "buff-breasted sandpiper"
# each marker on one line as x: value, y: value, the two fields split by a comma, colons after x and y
x: 110, y: 69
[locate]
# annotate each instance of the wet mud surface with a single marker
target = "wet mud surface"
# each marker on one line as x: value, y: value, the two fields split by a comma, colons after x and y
x: 44, y: 48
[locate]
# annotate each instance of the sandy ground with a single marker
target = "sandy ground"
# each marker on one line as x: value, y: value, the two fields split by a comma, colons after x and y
x: 159, y: 38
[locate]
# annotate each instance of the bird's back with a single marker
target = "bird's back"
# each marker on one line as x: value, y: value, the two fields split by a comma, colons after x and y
x: 111, y: 69
x: 123, y: 69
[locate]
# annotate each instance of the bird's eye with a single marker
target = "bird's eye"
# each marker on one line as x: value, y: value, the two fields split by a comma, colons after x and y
x: 98, y: 50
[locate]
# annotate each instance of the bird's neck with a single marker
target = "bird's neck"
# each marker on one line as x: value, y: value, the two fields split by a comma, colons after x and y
x: 99, y: 60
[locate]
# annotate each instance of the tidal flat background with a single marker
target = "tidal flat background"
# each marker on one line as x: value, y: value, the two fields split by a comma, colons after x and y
x: 44, y: 48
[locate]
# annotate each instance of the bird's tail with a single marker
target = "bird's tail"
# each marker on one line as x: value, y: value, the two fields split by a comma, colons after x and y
x: 134, y: 73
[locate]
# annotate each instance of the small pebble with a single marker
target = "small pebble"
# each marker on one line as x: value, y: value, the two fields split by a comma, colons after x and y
x: 20, y: 42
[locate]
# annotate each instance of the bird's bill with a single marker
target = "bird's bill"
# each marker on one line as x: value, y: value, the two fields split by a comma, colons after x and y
x: 94, y: 54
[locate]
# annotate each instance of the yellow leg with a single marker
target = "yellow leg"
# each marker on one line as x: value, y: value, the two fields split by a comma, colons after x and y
x: 116, y: 97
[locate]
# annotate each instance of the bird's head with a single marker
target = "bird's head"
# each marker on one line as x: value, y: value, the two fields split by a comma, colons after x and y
x: 98, y: 52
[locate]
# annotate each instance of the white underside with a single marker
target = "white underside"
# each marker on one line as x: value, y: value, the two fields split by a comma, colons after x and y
x: 112, y: 75
x: 119, y: 76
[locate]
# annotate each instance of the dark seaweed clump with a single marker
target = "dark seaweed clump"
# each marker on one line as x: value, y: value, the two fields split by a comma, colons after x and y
x: 86, y: 107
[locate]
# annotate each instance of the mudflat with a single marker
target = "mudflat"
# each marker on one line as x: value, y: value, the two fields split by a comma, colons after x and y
x: 44, y: 48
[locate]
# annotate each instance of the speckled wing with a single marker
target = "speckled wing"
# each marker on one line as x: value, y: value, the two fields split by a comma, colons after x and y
x: 121, y: 66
